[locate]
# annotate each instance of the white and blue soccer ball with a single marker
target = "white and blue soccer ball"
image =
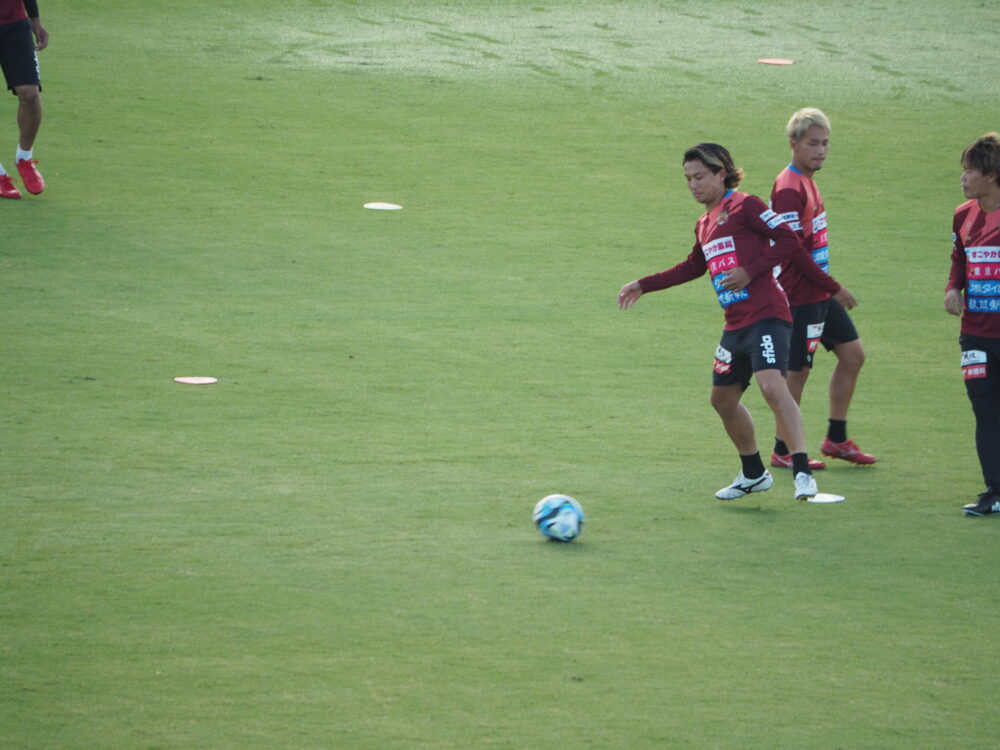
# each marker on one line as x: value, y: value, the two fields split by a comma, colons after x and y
x: 559, y: 517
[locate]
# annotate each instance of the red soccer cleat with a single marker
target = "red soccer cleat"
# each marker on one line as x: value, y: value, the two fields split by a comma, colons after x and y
x: 7, y: 187
x: 29, y: 175
x: 786, y: 462
x: 847, y: 451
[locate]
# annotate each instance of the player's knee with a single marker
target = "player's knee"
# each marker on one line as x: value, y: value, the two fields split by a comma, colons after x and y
x: 770, y: 394
x: 718, y: 403
x: 851, y: 356
x: 797, y: 378
x: 29, y: 95
x: 723, y: 402
x: 774, y: 390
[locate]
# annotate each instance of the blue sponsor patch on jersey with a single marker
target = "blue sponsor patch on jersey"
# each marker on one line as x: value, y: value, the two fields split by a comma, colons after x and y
x: 983, y: 304
x: 984, y: 288
x: 821, y: 256
x: 727, y: 297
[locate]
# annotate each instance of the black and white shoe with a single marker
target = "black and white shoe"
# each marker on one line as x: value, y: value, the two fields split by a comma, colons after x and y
x: 805, y: 486
x: 988, y: 503
x: 741, y: 486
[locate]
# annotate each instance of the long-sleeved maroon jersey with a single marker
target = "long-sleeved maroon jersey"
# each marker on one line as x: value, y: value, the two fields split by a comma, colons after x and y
x: 975, y: 267
x: 740, y: 232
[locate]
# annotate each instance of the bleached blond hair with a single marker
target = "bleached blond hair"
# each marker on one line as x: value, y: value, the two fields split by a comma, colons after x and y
x: 803, y: 120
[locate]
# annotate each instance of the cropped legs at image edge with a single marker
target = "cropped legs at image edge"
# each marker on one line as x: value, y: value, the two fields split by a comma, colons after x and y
x: 22, y: 37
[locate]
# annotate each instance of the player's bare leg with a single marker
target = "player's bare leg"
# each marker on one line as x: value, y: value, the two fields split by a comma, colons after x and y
x: 850, y: 359
x: 29, y: 114
x: 774, y: 388
x: 739, y: 426
x: 735, y: 417
x: 796, y: 380
x: 29, y: 119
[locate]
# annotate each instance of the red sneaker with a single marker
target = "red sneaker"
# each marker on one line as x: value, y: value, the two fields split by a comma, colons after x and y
x: 7, y: 187
x: 847, y: 450
x: 29, y: 175
x: 786, y: 462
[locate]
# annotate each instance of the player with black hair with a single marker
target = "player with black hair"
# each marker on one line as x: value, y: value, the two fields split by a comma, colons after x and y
x: 738, y: 241
x: 975, y: 270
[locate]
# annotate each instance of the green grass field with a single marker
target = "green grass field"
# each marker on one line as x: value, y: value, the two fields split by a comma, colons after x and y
x: 332, y: 547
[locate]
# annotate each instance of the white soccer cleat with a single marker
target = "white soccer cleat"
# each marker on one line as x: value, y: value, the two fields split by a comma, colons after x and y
x: 805, y: 486
x: 741, y: 486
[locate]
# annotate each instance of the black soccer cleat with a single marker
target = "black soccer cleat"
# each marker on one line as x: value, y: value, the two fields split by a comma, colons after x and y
x: 988, y: 504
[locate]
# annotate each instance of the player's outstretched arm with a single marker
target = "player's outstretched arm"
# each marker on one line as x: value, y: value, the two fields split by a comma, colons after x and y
x: 629, y: 295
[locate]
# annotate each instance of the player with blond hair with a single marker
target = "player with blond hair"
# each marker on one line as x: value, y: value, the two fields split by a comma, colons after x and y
x: 818, y: 317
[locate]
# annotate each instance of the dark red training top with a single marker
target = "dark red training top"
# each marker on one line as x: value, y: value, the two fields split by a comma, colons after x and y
x: 742, y: 231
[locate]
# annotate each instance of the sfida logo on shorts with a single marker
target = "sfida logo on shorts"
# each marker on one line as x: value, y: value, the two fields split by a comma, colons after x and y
x: 767, y: 349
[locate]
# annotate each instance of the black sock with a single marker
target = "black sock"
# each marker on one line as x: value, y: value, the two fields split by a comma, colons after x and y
x: 753, y: 467
x: 800, y: 463
x: 780, y: 448
x: 837, y: 431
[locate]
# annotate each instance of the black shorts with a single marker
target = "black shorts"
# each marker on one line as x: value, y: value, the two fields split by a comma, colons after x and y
x: 17, y: 55
x: 741, y: 353
x: 808, y: 323
x: 838, y: 328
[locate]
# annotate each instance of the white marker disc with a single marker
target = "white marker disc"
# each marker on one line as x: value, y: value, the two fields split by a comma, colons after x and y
x: 383, y: 206
x: 775, y: 61
x: 196, y: 380
x: 824, y: 497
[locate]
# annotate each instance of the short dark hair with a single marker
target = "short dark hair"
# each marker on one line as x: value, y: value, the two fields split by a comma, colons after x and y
x: 983, y: 155
x: 716, y: 158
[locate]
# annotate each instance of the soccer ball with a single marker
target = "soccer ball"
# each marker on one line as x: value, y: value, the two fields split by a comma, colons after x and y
x: 559, y: 517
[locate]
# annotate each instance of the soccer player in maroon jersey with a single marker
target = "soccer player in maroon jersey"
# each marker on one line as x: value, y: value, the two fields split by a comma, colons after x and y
x: 975, y: 270
x: 738, y: 241
x: 817, y: 317
x: 21, y: 37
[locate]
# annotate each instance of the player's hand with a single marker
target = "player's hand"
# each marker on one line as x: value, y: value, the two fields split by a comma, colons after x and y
x: 845, y: 298
x: 629, y: 294
x: 41, y: 35
x: 736, y: 279
x: 953, y: 303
